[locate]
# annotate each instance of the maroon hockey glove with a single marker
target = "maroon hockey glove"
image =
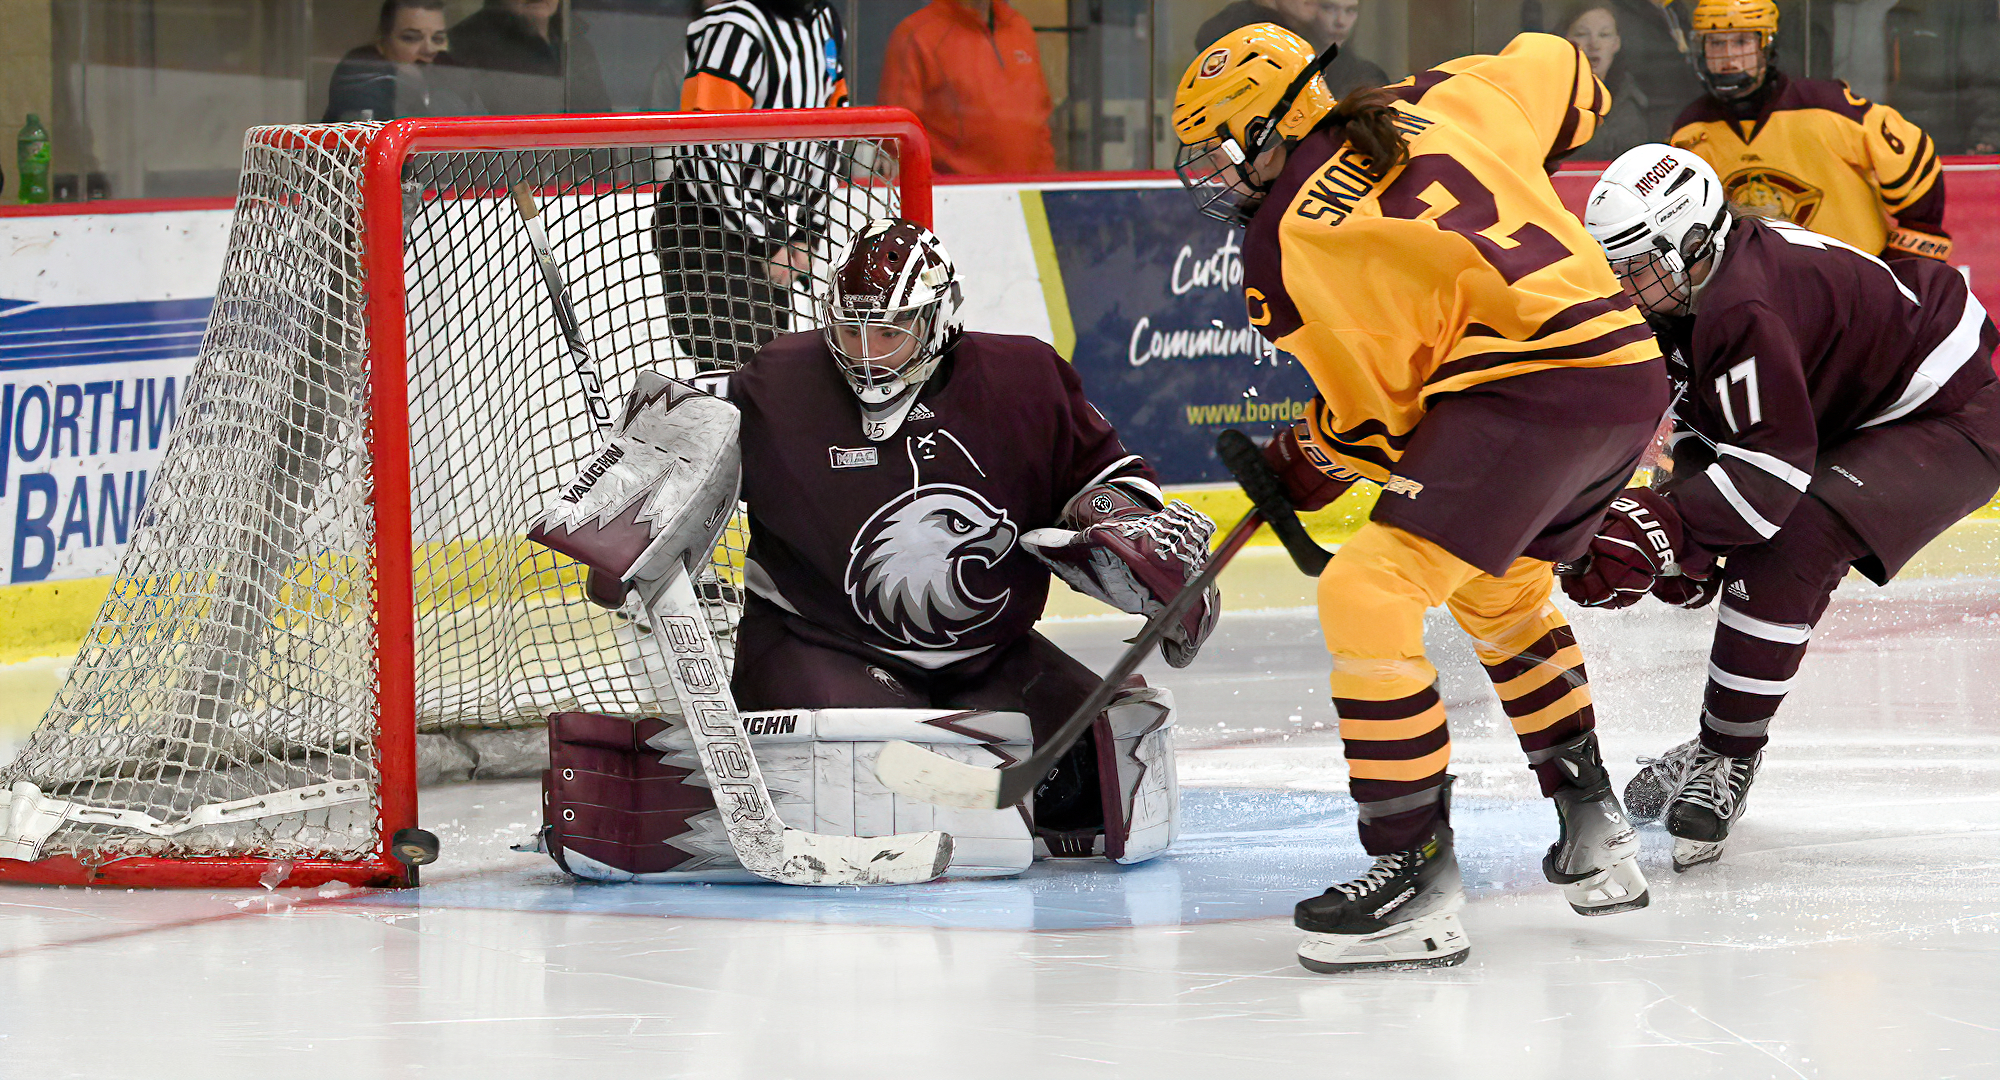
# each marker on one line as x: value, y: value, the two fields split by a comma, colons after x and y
x: 1307, y: 486
x: 1135, y: 559
x: 1697, y: 583
x: 1686, y: 590
x: 1640, y: 537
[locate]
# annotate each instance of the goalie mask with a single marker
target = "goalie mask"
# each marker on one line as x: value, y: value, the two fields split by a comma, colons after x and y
x: 890, y: 317
x: 1657, y: 212
x: 1251, y: 90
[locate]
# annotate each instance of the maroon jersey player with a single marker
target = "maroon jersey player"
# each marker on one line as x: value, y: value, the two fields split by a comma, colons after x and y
x: 1834, y: 411
x: 909, y: 488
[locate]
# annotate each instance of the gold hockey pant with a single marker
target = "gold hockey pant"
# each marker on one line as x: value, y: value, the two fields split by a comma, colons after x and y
x: 1372, y: 599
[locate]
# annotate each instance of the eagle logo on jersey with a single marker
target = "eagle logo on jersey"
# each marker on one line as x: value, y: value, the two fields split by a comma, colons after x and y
x: 1766, y: 192
x: 907, y: 566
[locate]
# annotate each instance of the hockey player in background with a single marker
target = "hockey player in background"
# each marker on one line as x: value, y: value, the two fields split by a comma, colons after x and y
x: 909, y: 488
x: 1474, y: 356
x: 1808, y: 150
x: 1834, y: 411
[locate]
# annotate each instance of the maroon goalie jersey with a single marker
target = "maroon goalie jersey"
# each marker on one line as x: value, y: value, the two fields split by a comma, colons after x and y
x: 911, y: 545
x: 1800, y: 342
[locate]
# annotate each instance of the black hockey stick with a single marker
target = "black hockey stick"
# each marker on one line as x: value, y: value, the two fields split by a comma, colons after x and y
x: 1246, y: 462
x: 911, y: 770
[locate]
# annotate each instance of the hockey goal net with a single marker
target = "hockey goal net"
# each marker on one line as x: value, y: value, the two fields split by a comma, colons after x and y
x: 332, y: 556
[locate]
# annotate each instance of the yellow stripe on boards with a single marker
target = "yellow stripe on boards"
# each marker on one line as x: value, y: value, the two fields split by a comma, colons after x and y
x: 1049, y: 268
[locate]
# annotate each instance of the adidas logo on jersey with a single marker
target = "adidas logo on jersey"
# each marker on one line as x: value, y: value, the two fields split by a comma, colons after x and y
x: 1737, y: 590
x: 922, y: 412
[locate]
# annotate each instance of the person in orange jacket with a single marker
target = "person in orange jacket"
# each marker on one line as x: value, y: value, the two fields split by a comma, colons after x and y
x: 971, y: 72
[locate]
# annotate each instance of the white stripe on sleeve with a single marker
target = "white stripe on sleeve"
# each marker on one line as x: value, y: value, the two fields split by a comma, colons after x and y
x: 1719, y: 476
x: 1776, y: 466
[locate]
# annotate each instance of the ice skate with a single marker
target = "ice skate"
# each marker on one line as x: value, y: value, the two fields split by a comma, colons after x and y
x: 1708, y: 803
x: 1658, y: 781
x: 1402, y: 913
x: 1596, y: 857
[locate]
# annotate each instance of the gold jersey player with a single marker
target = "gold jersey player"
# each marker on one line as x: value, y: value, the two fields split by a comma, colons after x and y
x: 1808, y: 150
x: 1473, y: 355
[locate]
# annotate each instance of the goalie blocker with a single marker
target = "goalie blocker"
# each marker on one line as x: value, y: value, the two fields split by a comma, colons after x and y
x: 625, y: 800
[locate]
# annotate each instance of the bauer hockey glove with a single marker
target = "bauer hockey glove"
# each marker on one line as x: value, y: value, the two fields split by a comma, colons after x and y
x: 1639, y: 540
x: 1688, y: 590
x: 1135, y: 559
x: 1307, y: 485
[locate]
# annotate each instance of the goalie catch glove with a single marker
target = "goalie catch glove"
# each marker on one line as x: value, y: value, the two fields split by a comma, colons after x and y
x: 1639, y: 543
x: 1135, y: 558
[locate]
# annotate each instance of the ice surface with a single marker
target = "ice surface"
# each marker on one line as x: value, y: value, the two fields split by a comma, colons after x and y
x: 1852, y: 928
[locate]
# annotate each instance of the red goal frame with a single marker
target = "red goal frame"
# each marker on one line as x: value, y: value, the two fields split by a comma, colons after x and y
x: 388, y: 393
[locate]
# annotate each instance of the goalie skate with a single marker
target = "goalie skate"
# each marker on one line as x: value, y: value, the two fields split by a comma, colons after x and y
x: 1401, y: 914
x: 1709, y: 802
x: 1596, y: 858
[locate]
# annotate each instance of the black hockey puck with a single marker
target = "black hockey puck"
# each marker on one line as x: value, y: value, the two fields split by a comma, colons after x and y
x: 414, y: 847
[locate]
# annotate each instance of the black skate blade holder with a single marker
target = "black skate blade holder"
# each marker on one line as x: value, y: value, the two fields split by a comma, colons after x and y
x: 1267, y: 493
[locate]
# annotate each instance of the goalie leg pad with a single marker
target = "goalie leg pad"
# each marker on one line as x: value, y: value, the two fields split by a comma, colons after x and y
x: 1135, y: 755
x: 626, y: 800
x: 614, y: 809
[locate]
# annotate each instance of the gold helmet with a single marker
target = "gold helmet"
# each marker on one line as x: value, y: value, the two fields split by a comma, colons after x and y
x: 1254, y: 87
x: 1734, y: 17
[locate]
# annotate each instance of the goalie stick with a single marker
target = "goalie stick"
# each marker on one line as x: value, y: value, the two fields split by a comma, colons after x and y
x: 685, y: 648
x: 763, y: 843
x: 579, y: 353
x: 908, y: 769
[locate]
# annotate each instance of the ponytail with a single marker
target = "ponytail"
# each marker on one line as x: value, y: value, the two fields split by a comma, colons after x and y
x: 1369, y: 114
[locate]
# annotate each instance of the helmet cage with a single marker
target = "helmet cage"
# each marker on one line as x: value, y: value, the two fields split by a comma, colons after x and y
x: 1663, y: 270
x: 1737, y: 84
x: 1213, y: 171
x: 881, y: 351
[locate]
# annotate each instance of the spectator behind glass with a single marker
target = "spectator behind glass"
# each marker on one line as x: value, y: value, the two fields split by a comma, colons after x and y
x: 1320, y: 22
x: 1942, y: 75
x: 1594, y: 29
x: 387, y: 78
x: 1652, y: 55
x: 1335, y: 24
x: 516, y: 48
x: 972, y: 73
x: 1301, y: 17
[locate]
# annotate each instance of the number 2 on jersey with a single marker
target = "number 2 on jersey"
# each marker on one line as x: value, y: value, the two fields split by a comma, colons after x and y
x: 1527, y: 249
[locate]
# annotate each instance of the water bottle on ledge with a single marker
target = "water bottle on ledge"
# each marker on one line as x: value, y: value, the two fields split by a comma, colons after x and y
x: 32, y: 162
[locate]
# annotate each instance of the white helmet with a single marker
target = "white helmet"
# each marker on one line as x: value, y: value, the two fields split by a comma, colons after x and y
x: 1656, y: 212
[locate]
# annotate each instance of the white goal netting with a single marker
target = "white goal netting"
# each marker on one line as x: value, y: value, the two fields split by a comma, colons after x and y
x: 226, y: 699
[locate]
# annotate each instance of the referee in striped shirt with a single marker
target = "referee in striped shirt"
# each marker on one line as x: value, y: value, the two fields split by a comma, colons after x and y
x: 736, y: 223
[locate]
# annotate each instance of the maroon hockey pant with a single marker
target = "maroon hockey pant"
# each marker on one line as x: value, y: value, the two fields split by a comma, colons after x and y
x: 1875, y: 500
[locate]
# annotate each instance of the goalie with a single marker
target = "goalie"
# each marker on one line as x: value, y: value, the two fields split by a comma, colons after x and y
x: 910, y: 486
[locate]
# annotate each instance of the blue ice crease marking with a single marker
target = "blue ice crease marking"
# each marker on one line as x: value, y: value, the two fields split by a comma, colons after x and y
x: 1241, y: 855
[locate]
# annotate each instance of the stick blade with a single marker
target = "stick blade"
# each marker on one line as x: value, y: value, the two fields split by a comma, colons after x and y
x: 909, y: 769
x: 901, y: 859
